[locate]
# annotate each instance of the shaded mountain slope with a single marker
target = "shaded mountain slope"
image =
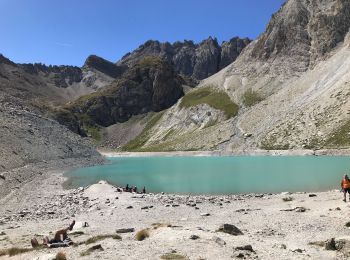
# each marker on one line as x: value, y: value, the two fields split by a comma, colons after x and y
x: 150, y: 85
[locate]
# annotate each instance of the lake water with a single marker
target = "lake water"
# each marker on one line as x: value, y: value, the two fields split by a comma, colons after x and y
x: 219, y: 175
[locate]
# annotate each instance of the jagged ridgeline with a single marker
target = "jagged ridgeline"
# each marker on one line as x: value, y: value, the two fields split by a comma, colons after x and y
x: 198, y: 61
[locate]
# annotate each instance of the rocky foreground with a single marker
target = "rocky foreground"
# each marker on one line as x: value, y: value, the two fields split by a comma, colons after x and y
x: 251, y: 226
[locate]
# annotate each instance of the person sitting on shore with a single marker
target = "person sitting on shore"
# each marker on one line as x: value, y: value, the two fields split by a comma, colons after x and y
x: 60, y: 239
x: 127, y: 189
x: 345, y: 185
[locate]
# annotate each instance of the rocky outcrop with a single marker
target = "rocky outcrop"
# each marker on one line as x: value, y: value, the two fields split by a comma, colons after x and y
x: 231, y: 49
x: 305, y: 29
x: 150, y: 85
x: 104, y: 66
x: 196, y: 60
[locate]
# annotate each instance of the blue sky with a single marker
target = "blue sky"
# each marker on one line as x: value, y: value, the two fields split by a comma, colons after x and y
x: 67, y: 31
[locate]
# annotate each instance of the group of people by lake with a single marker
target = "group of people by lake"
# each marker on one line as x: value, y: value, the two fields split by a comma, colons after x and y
x: 133, y: 189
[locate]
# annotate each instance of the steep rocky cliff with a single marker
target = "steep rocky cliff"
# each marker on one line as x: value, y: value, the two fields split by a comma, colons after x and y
x: 196, y: 60
x: 149, y: 85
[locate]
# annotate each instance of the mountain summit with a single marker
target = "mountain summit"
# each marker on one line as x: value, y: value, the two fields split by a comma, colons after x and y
x: 195, y: 60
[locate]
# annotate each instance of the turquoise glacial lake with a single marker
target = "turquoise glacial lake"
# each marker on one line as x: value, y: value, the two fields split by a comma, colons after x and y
x: 219, y: 175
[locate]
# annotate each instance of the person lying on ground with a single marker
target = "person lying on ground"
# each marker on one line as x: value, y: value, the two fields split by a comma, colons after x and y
x: 60, y: 239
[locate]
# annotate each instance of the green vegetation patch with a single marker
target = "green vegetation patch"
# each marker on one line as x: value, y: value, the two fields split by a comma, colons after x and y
x: 340, y: 137
x: 141, y: 139
x: 94, y: 132
x: 250, y: 98
x: 216, y: 99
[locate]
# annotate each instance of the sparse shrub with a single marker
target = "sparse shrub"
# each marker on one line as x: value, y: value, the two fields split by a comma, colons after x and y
x: 61, y: 256
x: 286, y: 199
x: 172, y: 256
x: 17, y: 251
x: 250, y: 98
x: 142, y: 235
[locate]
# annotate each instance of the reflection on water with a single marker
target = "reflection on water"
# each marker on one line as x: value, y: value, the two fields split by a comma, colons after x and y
x: 219, y: 175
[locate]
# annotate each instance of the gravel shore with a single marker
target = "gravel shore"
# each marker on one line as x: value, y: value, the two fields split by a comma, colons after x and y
x: 272, y: 226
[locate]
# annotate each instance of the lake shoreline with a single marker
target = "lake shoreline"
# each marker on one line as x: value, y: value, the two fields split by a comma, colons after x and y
x: 325, y: 152
x: 267, y: 221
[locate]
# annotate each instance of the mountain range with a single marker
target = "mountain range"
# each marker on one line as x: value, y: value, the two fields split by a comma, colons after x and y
x: 287, y: 89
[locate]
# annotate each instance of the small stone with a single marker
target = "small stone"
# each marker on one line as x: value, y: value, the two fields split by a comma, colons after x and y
x: 298, y: 250
x: 219, y: 241
x: 129, y: 207
x: 125, y: 230
x: 96, y: 247
x: 300, y: 209
x: 240, y: 255
x: 245, y: 248
x: 194, y: 237
x: 347, y: 224
x: 204, y: 214
x: 312, y: 195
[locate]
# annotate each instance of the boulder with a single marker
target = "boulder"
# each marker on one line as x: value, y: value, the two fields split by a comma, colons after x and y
x: 230, y: 229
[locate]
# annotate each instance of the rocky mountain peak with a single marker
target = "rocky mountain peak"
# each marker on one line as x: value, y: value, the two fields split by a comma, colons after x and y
x: 5, y: 60
x: 104, y: 66
x: 194, y: 60
x: 305, y: 28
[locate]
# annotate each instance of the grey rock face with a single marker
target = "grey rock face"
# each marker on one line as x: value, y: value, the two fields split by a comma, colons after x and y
x: 104, y: 66
x: 195, y: 60
x: 150, y: 85
x: 230, y: 50
x: 306, y: 29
